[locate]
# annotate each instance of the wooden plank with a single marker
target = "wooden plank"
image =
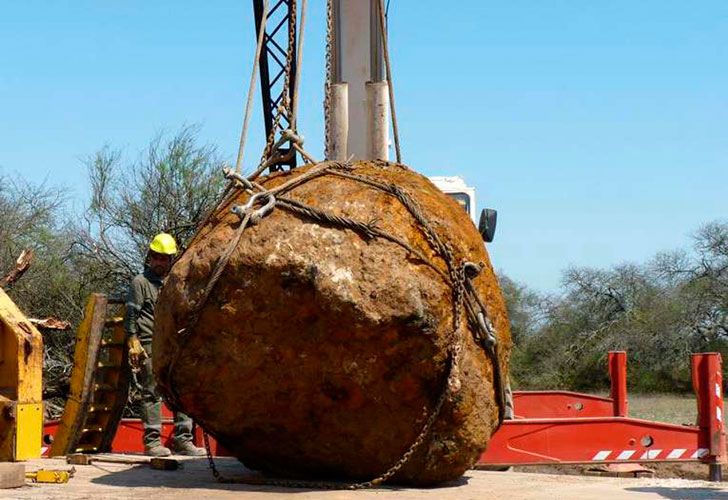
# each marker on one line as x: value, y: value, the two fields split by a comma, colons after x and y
x: 86, y: 459
x: 158, y: 463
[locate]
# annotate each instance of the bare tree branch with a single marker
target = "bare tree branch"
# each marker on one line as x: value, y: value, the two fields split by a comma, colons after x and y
x: 21, y: 265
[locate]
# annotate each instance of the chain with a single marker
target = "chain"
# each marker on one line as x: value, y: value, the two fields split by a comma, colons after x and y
x: 210, y: 460
x: 458, y: 294
x: 292, y: 20
x: 329, y: 78
x: 430, y: 421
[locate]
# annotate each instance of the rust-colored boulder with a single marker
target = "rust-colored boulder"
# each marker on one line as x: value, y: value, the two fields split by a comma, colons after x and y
x: 319, y: 347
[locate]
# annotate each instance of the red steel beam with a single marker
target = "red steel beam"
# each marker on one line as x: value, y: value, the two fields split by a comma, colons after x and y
x: 707, y: 378
x: 560, y: 404
x: 618, y: 375
x: 593, y: 440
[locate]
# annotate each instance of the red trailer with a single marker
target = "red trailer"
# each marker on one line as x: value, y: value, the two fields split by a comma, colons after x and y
x: 562, y: 427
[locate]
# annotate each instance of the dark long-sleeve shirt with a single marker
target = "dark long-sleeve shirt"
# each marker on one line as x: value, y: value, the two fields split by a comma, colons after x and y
x: 140, y: 302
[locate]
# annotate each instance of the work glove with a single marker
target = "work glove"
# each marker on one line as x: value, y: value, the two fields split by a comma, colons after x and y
x: 137, y: 354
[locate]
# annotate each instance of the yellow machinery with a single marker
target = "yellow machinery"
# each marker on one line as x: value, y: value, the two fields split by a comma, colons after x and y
x: 21, y: 384
x: 99, y: 381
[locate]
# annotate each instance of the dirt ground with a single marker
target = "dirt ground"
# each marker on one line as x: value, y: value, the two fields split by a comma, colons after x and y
x: 693, y: 471
x: 108, y: 480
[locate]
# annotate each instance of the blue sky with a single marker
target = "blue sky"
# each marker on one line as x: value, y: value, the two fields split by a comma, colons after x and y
x: 599, y: 130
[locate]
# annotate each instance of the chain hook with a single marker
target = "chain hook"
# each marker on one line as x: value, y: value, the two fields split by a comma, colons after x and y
x: 485, y: 326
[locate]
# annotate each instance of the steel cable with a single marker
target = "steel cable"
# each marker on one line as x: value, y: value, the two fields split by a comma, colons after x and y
x: 390, y: 83
x: 251, y: 89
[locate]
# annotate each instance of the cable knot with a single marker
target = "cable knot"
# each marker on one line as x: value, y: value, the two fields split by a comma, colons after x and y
x: 233, y: 176
x: 292, y: 137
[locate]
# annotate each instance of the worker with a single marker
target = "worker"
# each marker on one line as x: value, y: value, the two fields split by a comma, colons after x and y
x: 139, y: 326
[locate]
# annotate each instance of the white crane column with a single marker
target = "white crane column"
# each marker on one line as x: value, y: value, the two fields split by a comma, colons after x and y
x: 359, y: 63
x: 338, y: 122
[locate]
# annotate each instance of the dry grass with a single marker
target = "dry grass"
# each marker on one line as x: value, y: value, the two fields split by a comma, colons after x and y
x: 670, y: 408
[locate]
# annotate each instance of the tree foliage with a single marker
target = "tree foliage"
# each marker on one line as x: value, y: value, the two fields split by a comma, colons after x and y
x: 168, y: 189
x: 32, y: 217
x: 659, y: 312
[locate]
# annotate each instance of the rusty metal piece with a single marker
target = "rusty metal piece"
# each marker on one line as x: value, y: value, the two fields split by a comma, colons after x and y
x: 88, y: 459
x: 79, y: 459
x: 51, y: 323
x: 321, y: 352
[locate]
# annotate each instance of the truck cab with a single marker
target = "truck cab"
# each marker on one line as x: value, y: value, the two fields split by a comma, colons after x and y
x: 457, y: 189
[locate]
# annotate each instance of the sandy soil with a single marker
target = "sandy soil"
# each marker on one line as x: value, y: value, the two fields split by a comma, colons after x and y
x: 665, y: 470
x: 106, y: 480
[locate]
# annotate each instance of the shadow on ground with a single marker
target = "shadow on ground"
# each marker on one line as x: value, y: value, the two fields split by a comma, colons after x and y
x: 683, y: 493
x: 195, y: 473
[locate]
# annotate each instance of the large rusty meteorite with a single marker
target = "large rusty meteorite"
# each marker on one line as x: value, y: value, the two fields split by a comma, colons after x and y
x: 319, y: 347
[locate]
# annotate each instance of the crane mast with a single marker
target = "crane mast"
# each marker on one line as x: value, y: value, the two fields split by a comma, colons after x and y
x: 357, y: 101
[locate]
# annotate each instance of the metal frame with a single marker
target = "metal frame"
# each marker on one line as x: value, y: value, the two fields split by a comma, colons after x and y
x: 561, y: 427
x: 273, y: 55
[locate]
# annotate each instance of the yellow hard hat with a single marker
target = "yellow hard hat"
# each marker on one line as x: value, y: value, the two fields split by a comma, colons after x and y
x: 163, y: 243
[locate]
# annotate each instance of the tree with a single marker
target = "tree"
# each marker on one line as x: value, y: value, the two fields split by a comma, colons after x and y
x: 701, y: 279
x: 659, y: 312
x: 169, y: 188
x: 172, y: 185
x: 527, y: 309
